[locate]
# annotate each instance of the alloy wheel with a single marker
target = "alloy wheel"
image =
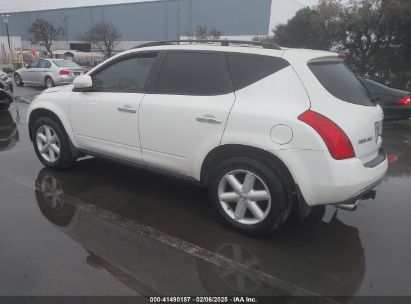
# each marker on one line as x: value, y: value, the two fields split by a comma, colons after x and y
x: 17, y: 79
x: 48, y: 143
x: 52, y: 192
x: 49, y: 82
x: 244, y: 197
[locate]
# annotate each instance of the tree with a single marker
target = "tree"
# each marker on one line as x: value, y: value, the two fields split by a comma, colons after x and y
x: 378, y: 39
x: 103, y: 36
x: 374, y: 33
x: 44, y: 34
x: 215, y: 34
x: 314, y: 28
x: 202, y: 33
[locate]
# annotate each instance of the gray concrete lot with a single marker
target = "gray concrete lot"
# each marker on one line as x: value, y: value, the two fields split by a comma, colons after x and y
x: 26, y: 93
x: 105, y: 229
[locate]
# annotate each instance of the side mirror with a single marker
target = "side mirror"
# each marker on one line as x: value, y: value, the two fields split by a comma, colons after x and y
x: 82, y: 82
x: 26, y: 65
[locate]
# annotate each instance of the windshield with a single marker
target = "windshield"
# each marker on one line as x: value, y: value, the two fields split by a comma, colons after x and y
x: 66, y: 64
x: 339, y: 81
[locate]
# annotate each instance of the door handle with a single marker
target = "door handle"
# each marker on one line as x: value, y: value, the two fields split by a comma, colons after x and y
x: 126, y: 109
x: 209, y: 119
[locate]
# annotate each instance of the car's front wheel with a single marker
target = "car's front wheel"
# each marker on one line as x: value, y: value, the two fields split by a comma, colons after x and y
x: 51, y: 144
x: 249, y: 195
x: 17, y: 79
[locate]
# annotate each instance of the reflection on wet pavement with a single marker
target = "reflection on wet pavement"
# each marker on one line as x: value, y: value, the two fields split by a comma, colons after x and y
x: 282, y: 258
x: 157, y: 235
x: 9, y: 135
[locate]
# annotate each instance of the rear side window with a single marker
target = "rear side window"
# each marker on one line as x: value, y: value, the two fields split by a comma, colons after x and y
x: 193, y: 73
x: 247, y: 69
x: 44, y: 64
x: 339, y: 81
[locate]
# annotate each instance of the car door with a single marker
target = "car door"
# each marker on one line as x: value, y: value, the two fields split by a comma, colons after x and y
x: 28, y: 74
x: 41, y: 71
x: 105, y: 117
x: 184, y: 115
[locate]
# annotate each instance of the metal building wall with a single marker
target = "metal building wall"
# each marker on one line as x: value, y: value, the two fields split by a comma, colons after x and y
x: 157, y: 20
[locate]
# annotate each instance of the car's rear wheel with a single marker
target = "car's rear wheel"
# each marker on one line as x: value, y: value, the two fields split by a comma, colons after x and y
x: 48, y: 82
x: 17, y: 79
x: 249, y: 195
x: 51, y: 144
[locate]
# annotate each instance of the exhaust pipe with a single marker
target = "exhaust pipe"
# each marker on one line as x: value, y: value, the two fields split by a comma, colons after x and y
x: 348, y: 207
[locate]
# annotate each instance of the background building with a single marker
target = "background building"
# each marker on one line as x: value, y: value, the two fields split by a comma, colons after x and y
x: 141, y: 21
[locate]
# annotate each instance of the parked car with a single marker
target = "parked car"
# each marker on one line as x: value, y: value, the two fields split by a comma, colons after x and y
x: 48, y: 72
x: 265, y: 129
x: 6, y: 91
x: 395, y: 103
x: 9, y: 134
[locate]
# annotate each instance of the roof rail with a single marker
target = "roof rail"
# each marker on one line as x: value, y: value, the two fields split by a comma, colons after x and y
x: 265, y: 45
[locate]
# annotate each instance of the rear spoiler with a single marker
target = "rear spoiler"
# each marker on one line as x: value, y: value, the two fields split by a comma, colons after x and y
x: 337, y: 58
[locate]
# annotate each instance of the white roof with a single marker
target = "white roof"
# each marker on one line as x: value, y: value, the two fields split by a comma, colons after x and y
x: 38, y: 5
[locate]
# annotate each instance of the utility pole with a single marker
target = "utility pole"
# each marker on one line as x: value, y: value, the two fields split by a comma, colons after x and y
x: 6, y: 22
x: 178, y: 20
x: 66, y: 28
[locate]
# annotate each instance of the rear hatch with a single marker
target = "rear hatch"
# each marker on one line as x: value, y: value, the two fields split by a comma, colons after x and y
x: 336, y: 93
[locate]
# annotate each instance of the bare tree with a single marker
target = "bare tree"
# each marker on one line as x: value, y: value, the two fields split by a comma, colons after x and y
x: 44, y: 34
x: 202, y: 33
x: 104, y: 36
x: 215, y: 34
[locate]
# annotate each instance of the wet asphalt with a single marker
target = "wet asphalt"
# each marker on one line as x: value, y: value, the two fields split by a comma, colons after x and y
x: 102, y: 228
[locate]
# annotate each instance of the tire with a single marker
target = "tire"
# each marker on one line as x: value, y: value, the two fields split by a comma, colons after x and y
x: 4, y: 107
x: 48, y: 82
x: 273, y: 209
x: 17, y: 79
x: 52, y: 157
x: 51, y: 199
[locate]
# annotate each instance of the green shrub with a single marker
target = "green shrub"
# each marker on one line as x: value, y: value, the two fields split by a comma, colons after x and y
x: 8, y: 70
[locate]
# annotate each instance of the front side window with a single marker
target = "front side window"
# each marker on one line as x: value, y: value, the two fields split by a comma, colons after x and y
x: 33, y: 64
x: 125, y: 76
x: 193, y: 73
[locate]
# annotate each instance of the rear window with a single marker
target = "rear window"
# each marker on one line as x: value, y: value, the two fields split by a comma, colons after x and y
x: 65, y: 64
x: 247, y: 69
x: 339, y: 81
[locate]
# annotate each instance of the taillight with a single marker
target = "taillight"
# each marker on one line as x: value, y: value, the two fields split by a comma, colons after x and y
x: 64, y: 72
x: 337, y: 142
x: 342, y: 56
x: 406, y: 100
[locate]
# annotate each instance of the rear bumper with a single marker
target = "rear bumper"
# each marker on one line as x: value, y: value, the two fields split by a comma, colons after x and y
x: 325, y: 181
x: 367, y: 193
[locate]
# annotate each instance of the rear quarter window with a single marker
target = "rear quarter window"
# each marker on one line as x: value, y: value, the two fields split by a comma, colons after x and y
x: 247, y: 69
x: 340, y: 82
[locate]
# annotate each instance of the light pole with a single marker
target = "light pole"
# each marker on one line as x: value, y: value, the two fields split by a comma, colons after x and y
x: 6, y: 22
x: 178, y: 20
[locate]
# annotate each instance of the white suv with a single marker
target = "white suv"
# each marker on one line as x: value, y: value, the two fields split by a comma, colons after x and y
x: 265, y: 129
